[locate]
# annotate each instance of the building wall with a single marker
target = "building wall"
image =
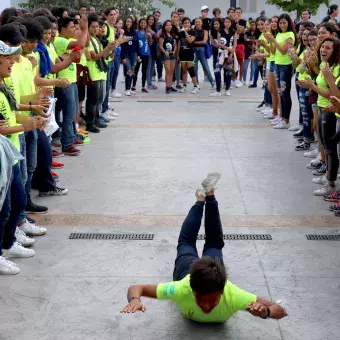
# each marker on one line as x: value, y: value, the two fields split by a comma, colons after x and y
x: 251, y: 8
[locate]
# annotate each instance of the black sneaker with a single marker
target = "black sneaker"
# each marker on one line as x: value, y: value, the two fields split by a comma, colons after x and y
x: 173, y: 89
x: 168, y: 90
x: 302, y: 147
x: 178, y: 86
x: 337, y: 213
x: 56, y: 192
x: 261, y: 105
x: 30, y: 220
x: 252, y: 86
x: 92, y: 129
x: 300, y: 140
x: 100, y: 124
x: 321, y: 171
x: 32, y: 208
x: 298, y: 134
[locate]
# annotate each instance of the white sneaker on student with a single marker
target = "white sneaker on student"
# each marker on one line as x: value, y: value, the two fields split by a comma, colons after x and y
x: 23, y: 239
x: 238, y: 84
x: 133, y: 92
x: 128, y: 93
x: 269, y: 116
x: 8, y: 267
x: 115, y: 94
x: 215, y: 94
x: 295, y: 128
x: 281, y: 125
x: 195, y: 90
x: 107, y: 115
x: 275, y: 121
x: 113, y: 113
x: 199, y: 192
x: 320, y: 180
x: 325, y: 190
x: 17, y: 250
x: 211, y: 181
x: 312, y: 154
x: 31, y: 229
x: 227, y: 93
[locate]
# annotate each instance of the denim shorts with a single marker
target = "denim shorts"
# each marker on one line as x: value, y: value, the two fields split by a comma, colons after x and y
x: 272, y: 67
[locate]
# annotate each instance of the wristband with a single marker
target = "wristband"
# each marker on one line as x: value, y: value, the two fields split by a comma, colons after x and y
x: 133, y: 298
x: 30, y: 106
x: 268, y: 314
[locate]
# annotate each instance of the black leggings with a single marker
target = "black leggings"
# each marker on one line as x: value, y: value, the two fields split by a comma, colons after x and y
x: 144, y: 62
x: 329, y: 140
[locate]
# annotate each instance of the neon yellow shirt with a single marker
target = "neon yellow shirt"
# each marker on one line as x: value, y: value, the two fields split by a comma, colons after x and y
x: 95, y: 73
x: 26, y: 79
x: 111, y: 37
x: 261, y: 48
x: 53, y: 56
x: 283, y: 59
x: 322, y: 83
x: 70, y: 73
x: 302, y: 68
x: 9, y: 114
x: 180, y: 292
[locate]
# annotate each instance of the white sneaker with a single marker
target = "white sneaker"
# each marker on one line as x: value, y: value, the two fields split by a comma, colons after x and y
x: 316, y: 161
x: 295, y: 128
x: 133, y: 92
x: 198, y: 86
x: 238, y: 84
x: 268, y: 111
x: 128, y: 93
x: 281, y: 124
x: 264, y: 109
x: 107, y: 115
x: 325, y: 190
x: 195, y: 90
x: 269, y: 116
x: 312, y: 154
x: 215, y: 94
x: 320, y: 180
x: 199, y: 192
x: 8, y: 267
x: 17, y: 250
x: 113, y: 113
x: 259, y: 109
x: 227, y: 93
x: 115, y: 94
x: 31, y: 229
x: 22, y: 238
x: 211, y: 181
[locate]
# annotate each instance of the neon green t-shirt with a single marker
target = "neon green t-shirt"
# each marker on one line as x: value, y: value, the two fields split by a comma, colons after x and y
x: 26, y: 79
x: 283, y: 59
x: 261, y: 48
x: 9, y: 114
x: 302, y: 68
x: 53, y: 56
x: 111, y: 37
x: 322, y: 83
x: 70, y: 73
x: 95, y: 73
x: 180, y: 292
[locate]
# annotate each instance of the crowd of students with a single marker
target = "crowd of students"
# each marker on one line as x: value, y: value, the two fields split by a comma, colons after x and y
x: 58, y: 70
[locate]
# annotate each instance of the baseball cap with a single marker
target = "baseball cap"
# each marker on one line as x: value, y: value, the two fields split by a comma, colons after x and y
x: 204, y: 8
x: 6, y: 50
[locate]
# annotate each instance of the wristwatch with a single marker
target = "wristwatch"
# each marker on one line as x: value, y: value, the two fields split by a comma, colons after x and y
x: 132, y: 298
x: 268, y: 314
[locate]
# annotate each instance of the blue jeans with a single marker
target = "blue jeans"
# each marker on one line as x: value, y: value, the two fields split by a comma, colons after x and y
x: 69, y: 106
x: 23, y: 167
x: 252, y: 70
x: 116, y: 67
x: 186, y: 249
x: 14, y: 204
x: 284, y: 73
x: 298, y: 95
x: 200, y: 57
x: 245, y: 71
x: 109, y: 80
x: 256, y: 70
x: 307, y: 114
x: 151, y: 68
x: 129, y: 67
x: 31, y: 159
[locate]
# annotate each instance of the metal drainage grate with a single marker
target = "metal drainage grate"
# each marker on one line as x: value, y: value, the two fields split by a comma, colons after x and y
x: 106, y: 236
x: 241, y: 237
x: 323, y: 237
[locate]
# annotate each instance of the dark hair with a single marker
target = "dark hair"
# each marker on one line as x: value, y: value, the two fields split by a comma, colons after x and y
x: 335, y: 57
x: 216, y: 9
x: 314, y: 33
x: 101, y: 23
x: 52, y: 18
x: 44, y: 22
x: 58, y: 11
x: 34, y: 30
x: 172, y: 13
x: 207, y: 275
x: 329, y: 27
x: 163, y: 27
x: 27, y: 16
x: 124, y: 24
x: 185, y: 19
x: 41, y: 11
x: 157, y: 12
x: 140, y: 20
x: 212, y: 29
x: 290, y: 27
x: 7, y: 13
x: 63, y: 23
x: 82, y: 6
x: 108, y: 10
x: 308, y: 25
x: 147, y: 21
x: 92, y: 18
x: 180, y: 10
x: 332, y: 9
x: 11, y: 33
x: 238, y: 9
x: 232, y: 27
x: 73, y: 14
x: 307, y: 10
x: 20, y: 27
x: 231, y: 9
x: 257, y: 31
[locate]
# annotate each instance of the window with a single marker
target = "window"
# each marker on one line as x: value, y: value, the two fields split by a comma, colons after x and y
x: 248, y: 6
x: 244, y: 5
x: 253, y: 6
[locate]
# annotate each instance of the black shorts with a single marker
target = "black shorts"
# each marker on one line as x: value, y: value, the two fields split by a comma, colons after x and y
x: 186, y: 56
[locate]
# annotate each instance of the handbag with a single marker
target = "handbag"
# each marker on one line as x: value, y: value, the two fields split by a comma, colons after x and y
x: 208, y: 51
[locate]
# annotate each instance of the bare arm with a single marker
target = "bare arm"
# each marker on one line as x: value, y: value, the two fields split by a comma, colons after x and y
x: 284, y: 48
x: 104, y: 53
x: 263, y: 308
x: 190, y: 38
x: 81, y: 35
